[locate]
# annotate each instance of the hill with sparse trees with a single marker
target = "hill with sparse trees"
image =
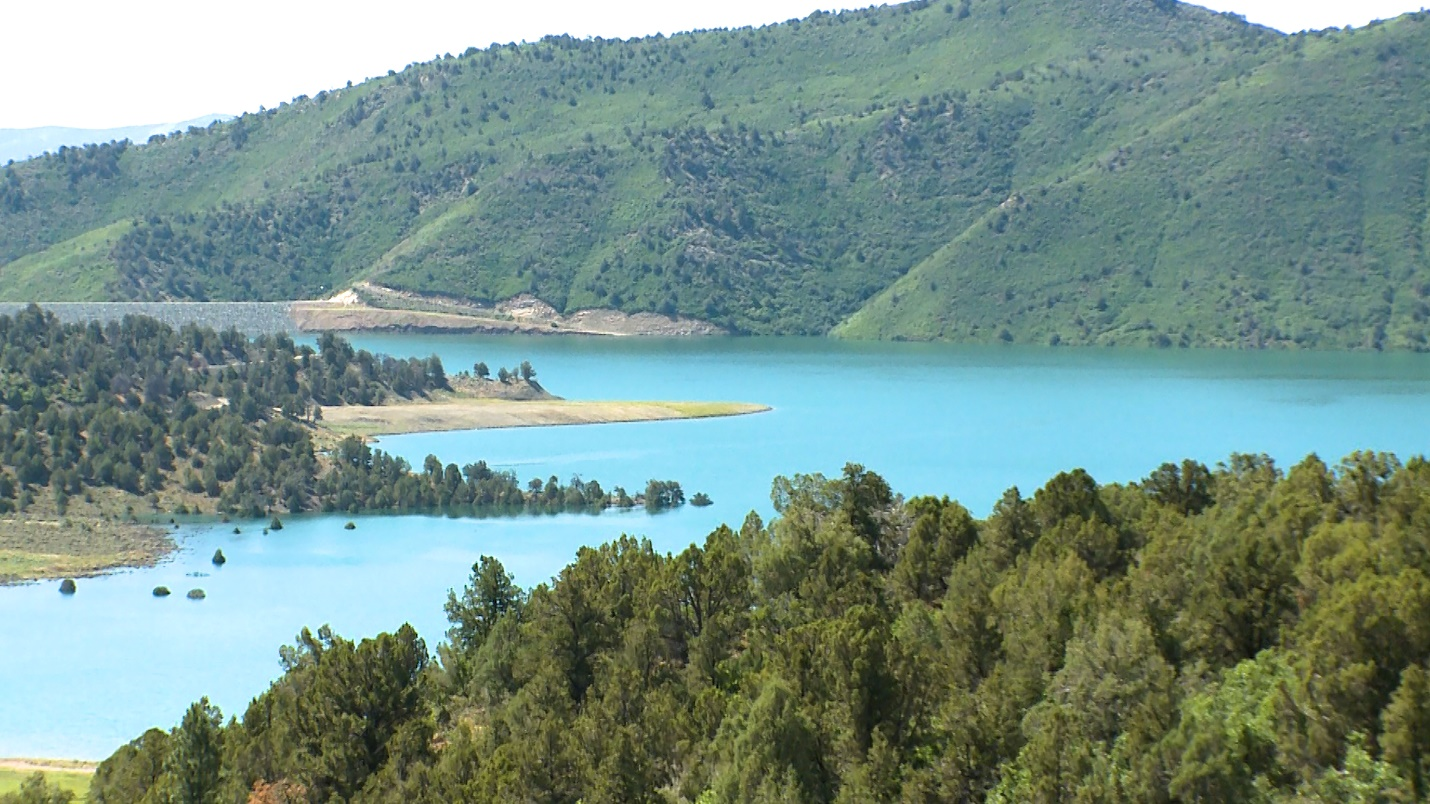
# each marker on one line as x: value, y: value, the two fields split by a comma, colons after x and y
x: 1138, y: 172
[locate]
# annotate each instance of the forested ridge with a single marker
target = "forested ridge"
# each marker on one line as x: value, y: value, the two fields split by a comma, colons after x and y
x: 1138, y: 172
x: 217, y: 423
x: 1237, y: 634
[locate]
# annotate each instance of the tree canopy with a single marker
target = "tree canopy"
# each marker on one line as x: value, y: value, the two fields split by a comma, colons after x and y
x: 1238, y: 633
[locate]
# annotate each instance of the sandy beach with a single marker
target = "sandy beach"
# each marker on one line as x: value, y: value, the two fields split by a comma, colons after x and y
x: 457, y: 413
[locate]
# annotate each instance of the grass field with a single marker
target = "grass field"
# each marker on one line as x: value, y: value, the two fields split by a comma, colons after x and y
x: 76, y: 781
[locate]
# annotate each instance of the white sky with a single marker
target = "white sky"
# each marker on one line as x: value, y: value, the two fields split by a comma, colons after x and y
x: 102, y: 64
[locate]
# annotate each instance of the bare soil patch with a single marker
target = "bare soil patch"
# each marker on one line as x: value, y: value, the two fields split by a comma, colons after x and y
x: 371, y: 307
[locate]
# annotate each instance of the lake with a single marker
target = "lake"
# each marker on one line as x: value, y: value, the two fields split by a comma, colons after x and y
x: 80, y: 675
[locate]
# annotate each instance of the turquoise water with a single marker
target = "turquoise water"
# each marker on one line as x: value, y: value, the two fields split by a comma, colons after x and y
x: 80, y: 675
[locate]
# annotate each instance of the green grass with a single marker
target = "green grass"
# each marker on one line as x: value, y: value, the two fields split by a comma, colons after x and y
x: 73, y: 271
x: 77, y: 783
x: 1184, y: 179
x: 1161, y: 243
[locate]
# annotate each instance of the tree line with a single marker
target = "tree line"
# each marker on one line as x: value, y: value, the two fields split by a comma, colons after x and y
x: 1241, y: 633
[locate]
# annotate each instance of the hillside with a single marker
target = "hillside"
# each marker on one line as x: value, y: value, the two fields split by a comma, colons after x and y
x: 1091, y: 171
x: 22, y: 143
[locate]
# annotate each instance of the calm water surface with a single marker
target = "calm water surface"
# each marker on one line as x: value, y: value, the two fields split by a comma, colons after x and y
x: 80, y: 675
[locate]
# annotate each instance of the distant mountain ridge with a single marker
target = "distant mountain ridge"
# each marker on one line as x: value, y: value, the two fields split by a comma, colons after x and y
x: 1136, y: 172
x: 19, y: 144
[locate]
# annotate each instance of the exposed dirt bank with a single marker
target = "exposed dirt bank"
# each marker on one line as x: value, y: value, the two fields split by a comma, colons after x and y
x: 370, y: 307
x: 469, y: 387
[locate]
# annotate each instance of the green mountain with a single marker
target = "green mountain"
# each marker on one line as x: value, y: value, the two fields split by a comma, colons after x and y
x: 1084, y: 171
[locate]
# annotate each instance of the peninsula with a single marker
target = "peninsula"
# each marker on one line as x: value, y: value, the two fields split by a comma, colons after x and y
x: 109, y: 434
x: 473, y: 402
x: 460, y: 412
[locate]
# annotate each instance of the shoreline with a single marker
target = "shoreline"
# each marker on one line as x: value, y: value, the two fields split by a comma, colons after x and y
x: 92, y: 540
x: 465, y: 413
x: 370, y: 307
x: 376, y: 309
x: 41, y: 548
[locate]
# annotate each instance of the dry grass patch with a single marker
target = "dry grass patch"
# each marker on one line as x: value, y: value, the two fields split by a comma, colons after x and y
x: 484, y: 414
x: 34, y: 548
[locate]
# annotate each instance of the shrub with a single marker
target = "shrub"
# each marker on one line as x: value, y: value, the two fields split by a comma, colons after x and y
x: 350, y: 526
x: 67, y: 586
x: 196, y: 594
x: 276, y: 524
x: 161, y: 591
x: 219, y: 559
x: 700, y: 499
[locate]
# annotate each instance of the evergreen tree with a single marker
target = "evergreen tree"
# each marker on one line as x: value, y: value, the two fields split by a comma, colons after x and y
x: 195, y: 756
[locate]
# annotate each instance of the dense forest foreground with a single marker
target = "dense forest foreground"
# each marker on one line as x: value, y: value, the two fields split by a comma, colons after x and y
x: 102, y: 427
x: 1140, y: 172
x: 1237, y: 634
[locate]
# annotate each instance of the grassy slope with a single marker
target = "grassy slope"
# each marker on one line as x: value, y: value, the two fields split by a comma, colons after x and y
x: 76, y: 270
x: 1288, y: 206
x: 775, y: 180
x: 849, y: 203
